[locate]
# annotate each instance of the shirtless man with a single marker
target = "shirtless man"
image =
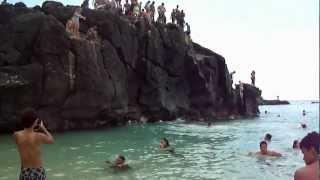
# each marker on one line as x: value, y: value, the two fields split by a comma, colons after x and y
x: 310, y: 147
x: 264, y: 150
x: 28, y: 143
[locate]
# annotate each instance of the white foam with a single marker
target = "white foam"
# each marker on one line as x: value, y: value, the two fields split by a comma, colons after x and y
x: 59, y: 175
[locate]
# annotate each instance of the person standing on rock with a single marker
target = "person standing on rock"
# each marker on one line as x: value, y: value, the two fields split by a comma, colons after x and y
x: 161, y: 12
x: 253, y: 78
x: 85, y: 4
x: 173, y: 16
x: 230, y: 75
x: 127, y: 8
x: 29, y: 143
x: 76, y: 22
x: 241, y: 89
x: 152, y: 10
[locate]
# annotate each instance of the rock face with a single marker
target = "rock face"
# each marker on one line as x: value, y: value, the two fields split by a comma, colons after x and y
x: 129, y: 74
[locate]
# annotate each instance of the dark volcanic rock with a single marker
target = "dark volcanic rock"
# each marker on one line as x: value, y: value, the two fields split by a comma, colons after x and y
x: 128, y: 75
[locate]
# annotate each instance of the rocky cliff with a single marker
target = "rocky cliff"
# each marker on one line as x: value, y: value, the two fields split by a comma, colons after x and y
x: 129, y: 74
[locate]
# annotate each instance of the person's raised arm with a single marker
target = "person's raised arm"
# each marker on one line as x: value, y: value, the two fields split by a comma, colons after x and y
x: 46, y: 136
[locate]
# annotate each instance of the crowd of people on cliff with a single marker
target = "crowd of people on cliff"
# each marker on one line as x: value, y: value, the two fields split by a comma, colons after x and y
x: 132, y: 11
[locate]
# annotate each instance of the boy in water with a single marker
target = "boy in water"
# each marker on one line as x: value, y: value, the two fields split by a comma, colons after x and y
x: 29, y: 142
x: 119, y: 164
x: 310, y: 147
x: 164, y: 145
x: 265, y: 152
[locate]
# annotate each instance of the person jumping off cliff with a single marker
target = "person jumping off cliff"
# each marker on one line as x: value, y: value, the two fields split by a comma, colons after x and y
x: 253, y: 78
x: 161, y: 12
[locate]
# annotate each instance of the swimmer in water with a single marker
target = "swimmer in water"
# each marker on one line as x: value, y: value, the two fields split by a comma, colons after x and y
x: 265, y: 152
x: 165, y: 145
x: 296, y: 144
x: 119, y: 164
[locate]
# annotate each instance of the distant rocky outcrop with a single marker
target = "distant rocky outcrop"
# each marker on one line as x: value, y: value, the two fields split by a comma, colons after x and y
x: 274, y: 102
x: 129, y: 75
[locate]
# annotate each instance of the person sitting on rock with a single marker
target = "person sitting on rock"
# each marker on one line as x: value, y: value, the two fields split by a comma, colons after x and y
x: 92, y: 34
x: 119, y: 164
x: 265, y: 152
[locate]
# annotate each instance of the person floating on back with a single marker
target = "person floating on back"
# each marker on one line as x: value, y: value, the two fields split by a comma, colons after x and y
x: 29, y: 142
x: 310, y: 147
x: 119, y: 164
x: 265, y: 152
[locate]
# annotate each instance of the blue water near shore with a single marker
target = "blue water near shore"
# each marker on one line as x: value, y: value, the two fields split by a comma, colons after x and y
x: 219, y: 152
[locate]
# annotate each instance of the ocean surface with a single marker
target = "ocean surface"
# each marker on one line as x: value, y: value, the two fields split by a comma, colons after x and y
x: 218, y: 152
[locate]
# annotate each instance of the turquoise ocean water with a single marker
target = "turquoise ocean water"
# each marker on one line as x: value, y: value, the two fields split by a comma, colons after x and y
x: 219, y: 152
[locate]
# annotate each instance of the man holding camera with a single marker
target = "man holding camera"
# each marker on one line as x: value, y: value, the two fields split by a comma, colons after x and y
x: 29, y: 142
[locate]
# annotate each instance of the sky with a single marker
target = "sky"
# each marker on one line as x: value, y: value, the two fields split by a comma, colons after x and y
x: 279, y: 39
